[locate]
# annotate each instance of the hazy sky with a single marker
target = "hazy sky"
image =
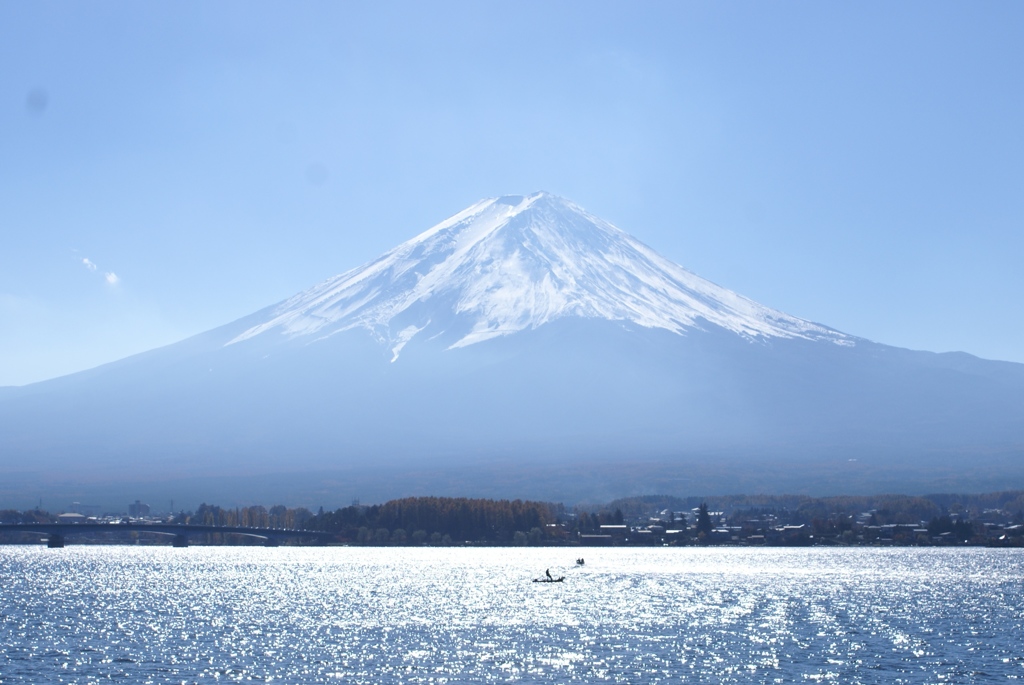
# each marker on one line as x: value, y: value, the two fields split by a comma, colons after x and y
x: 168, y: 167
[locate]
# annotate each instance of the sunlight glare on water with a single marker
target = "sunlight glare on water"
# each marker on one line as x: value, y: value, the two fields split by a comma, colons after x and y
x: 450, y: 615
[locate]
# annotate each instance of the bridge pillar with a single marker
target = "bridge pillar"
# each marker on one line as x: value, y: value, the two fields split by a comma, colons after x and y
x: 180, y: 540
x: 56, y: 541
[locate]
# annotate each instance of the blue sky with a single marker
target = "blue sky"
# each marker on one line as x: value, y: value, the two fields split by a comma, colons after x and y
x: 857, y: 164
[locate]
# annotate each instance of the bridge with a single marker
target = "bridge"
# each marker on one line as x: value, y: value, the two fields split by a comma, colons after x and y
x: 57, y: 533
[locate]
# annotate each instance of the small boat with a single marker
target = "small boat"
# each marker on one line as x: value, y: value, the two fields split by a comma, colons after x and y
x: 580, y: 562
x: 548, y: 578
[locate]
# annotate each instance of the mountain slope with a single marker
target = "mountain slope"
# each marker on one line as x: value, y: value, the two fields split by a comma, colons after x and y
x: 522, y: 348
x: 515, y: 263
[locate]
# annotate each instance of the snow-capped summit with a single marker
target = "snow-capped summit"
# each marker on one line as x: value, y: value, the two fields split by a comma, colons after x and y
x: 514, y: 263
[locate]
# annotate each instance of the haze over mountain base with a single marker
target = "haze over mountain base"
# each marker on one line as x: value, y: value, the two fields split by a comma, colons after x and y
x: 571, y: 483
x: 578, y: 410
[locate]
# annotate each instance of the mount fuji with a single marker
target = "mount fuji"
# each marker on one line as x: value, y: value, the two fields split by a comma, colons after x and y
x: 521, y: 348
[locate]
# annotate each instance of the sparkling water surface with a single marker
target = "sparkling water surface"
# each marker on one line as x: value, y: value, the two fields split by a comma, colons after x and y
x: 91, y: 614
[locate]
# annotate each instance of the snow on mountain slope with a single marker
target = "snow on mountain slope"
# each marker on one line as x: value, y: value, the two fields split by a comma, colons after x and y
x: 515, y: 263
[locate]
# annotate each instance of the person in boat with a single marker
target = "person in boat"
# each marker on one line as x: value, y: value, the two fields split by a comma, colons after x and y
x: 548, y: 573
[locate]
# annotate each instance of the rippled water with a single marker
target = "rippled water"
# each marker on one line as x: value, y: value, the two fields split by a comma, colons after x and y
x: 360, y: 615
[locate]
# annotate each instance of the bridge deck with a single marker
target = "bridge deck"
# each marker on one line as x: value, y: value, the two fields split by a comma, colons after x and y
x: 177, y: 530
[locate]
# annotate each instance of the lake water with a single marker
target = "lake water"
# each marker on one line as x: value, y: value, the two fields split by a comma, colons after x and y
x: 365, y: 615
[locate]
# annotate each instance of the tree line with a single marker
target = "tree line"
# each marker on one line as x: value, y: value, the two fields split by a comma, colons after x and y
x: 441, y: 520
